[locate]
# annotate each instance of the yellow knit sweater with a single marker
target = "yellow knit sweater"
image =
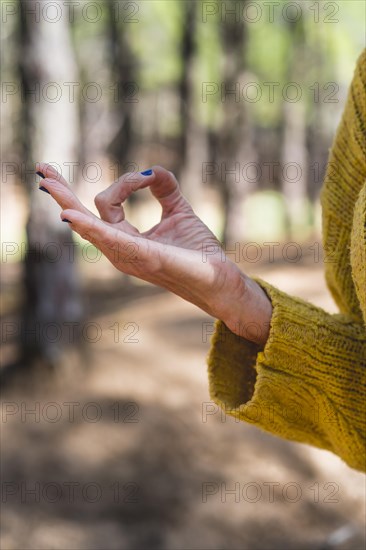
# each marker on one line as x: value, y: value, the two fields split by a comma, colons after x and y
x: 308, y: 383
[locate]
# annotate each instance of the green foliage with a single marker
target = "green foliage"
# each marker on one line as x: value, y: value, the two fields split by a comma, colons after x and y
x: 155, y: 40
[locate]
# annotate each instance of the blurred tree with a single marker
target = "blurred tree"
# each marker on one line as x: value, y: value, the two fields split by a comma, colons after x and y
x: 229, y: 143
x: 319, y: 135
x: 187, y: 49
x: 49, y: 131
x: 294, y: 149
x: 124, y: 83
x: 192, y: 142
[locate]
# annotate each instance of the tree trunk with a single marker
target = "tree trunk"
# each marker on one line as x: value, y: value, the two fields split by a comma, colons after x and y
x: 294, y: 147
x: 294, y: 165
x: 122, y: 65
x: 192, y: 141
x: 52, y: 313
x: 185, y: 83
x: 231, y: 142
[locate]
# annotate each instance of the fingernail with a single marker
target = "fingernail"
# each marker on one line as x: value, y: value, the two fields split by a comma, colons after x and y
x: 147, y: 173
x: 40, y: 174
x: 44, y: 189
x: 67, y: 221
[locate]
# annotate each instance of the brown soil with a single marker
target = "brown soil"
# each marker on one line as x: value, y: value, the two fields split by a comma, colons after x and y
x: 147, y: 461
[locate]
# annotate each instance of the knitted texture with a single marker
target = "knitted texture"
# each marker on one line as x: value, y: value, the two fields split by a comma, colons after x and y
x: 358, y: 250
x: 308, y: 383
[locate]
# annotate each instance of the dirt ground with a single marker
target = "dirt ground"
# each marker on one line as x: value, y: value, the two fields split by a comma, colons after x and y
x: 127, y: 452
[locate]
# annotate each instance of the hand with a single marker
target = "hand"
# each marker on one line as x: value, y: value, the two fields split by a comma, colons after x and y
x: 180, y: 253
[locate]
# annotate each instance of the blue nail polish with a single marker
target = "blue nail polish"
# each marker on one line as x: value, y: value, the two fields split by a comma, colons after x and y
x: 147, y: 173
x: 44, y: 189
x: 40, y: 174
x: 67, y: 221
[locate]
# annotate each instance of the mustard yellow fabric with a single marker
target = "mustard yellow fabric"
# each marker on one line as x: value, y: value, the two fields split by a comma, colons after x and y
x: 308, y: 383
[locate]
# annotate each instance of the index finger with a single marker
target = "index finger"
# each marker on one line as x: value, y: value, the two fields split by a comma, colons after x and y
x: 59, y: 189
x: 45, y: 170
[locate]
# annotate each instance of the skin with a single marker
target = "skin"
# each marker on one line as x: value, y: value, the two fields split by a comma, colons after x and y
x: 179, y: 253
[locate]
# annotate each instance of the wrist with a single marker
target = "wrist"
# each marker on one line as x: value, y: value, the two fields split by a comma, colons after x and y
x: 251, y: 313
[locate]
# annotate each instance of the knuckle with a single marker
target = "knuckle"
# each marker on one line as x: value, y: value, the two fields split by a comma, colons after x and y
x: 127, y: 176
x: 99, y: 199
x: 174, y: 180
x: 91, y: 238
x: 88, y: 233
x: 84, y: 234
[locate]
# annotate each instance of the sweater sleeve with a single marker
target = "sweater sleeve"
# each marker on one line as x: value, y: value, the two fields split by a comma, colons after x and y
x: 308, y: 384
